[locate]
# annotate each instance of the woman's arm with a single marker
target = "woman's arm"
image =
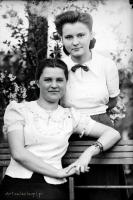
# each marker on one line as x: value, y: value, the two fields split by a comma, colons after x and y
x: 112, y: 103
x: 106, y: 138
x: 106, y: 135
x: 31, y: 161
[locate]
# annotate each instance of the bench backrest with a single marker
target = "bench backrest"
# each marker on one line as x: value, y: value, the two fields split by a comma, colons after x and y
x: 4, y: 158
x: 121, y: 153
x: 4, y: 155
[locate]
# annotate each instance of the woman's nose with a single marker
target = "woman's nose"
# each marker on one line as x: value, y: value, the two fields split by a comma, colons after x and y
x: 75, y: 41
x: 54, y: 84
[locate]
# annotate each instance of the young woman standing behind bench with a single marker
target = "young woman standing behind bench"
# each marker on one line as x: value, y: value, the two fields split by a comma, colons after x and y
x: 92, y: 88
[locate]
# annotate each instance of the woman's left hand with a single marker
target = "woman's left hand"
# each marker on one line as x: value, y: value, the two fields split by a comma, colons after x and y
x: 81, y: 164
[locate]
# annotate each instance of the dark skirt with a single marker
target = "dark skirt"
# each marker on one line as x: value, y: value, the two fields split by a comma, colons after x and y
x: 35, y: 188
x: 102, y: 175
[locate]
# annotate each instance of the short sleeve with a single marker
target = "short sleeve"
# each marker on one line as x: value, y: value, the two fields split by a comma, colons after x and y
x: 112, y: 78
x: 75, y: 114
x: 83, y: 123
x: 13, y: 117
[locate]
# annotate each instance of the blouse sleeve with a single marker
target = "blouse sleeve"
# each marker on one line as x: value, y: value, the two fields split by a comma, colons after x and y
x: 83, y: 123
x: 112, y: 78
x: 13, y: 117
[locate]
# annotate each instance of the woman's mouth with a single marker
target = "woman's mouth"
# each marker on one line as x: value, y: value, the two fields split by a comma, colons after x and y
x: 53, y: 91
x: 76, y: 49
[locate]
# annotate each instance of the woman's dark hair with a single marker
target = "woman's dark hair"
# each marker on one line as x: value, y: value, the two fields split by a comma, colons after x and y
x: 51, y: 62
x: 73, y: 17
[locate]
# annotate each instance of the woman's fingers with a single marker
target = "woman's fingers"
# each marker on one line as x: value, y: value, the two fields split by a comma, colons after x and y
x: 81, y: 169
x: 84, y: 169
x: 69, y: 168
x: 76, y: 168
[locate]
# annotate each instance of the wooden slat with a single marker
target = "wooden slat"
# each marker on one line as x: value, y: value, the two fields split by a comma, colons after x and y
x: 125, y: 142
x: 3, y: 145
x: 104, y: 155
x: 128, y: 161
x: 99, y: 161
x: 4, y: 163
x: 89, y: 142
x: 105, y: 186
x: 5, y: 157
x: 117, y: 148
x: 4, y: 151
x: 79, y: 148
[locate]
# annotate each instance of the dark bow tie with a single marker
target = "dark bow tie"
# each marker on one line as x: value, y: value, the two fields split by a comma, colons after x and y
x: 75, y: 67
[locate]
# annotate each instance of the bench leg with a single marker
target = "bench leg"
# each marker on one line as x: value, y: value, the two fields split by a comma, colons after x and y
x: 71, y: 188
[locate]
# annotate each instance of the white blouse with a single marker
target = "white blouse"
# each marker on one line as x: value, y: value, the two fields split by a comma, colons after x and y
x: 90, y: 91
x: 46, y: 133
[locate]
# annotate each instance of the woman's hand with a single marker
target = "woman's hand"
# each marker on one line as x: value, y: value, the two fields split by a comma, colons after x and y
x: 80, y: 165
x: 83, y: 162
x: 66, y: 172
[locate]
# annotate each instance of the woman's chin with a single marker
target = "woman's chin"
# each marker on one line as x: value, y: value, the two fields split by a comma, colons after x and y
x: 77, y: 54
x: 54, y: 100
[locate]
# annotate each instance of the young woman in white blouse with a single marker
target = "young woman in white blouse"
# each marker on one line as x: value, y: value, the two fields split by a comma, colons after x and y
x: 38, y: 134
x: 92, y: 88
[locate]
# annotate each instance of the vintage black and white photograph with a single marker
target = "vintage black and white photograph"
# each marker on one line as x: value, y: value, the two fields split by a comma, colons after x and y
x: 66, y: 100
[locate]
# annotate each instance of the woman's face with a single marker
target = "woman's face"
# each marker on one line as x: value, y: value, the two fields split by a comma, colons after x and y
x: 52, y: 84
x: 76, y: 39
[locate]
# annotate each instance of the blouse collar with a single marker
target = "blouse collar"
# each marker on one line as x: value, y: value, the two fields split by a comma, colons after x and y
x: 43, y: 113
x: 71, y: 63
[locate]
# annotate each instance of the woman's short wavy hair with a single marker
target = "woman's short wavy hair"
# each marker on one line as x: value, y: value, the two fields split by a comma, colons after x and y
x: 51, y: 63
x: 73, y: 17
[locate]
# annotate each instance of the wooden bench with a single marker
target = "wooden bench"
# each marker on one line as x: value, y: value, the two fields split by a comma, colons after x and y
x: 4, y: 157
x: 121, y: 153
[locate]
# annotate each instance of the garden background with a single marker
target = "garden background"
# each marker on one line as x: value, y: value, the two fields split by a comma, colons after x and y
x: 28, y: 35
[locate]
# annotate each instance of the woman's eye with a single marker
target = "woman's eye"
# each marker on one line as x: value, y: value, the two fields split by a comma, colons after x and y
x: 60, y: 80
x: 81, y: 34
x: 68, y: 37
x: 47, y: 80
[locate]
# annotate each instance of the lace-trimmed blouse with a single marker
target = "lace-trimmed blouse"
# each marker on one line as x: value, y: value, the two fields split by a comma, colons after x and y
x: 46, y: 133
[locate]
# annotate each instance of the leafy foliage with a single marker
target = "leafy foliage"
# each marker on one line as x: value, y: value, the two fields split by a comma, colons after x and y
x: 18, y: 66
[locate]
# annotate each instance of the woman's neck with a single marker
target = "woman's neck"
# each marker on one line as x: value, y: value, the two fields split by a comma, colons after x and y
x: 82, y: 59
x: 47, y: 105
